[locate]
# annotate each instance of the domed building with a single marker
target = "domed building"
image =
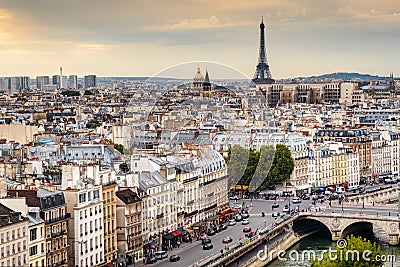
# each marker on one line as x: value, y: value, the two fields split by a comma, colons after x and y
x: 198, y: 80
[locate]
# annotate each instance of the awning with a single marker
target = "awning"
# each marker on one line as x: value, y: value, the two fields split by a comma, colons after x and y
x: 176, y: 233
x: 189, y: 230
x: 168, y: 236
x: 182, y: 230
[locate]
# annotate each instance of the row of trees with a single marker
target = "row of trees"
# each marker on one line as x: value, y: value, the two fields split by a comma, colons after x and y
x: 259, y: 169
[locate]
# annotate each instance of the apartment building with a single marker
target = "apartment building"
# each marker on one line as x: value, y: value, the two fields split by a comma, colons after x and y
x: 129, y: 225
x: 110, y: 222
x: 13, y: 238
x: 85, y: 226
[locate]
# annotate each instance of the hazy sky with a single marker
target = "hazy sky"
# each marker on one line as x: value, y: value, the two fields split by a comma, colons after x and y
x: 140, y: 38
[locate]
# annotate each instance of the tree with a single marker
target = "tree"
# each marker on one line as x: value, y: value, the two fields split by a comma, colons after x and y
x: 259, y: 169
x: 119, y: 147
x: 237, y: 163
x: 282, y: 166
x: 264, y: 163
x: 355, y: 252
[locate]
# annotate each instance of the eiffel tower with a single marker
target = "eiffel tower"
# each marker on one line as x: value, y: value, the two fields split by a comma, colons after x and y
x: 263, y: 74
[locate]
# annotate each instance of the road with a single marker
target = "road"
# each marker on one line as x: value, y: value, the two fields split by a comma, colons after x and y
x: 193, y: 253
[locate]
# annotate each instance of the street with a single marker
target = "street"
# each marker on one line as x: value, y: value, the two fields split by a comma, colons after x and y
x: 194, y: 253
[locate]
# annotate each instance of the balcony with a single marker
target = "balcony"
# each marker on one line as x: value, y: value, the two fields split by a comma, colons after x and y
x: 62, y: 232
x: 160, y: 216
x: 60, y: 218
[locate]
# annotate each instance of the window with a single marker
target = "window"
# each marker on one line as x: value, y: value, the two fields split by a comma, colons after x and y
x: 33, y: 234
x: 33, y: 250
x: 82, y: 197
x: 96, y: 194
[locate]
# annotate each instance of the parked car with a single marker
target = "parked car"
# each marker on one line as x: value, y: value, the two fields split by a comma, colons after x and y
x: 160, y: 255
x: 286, y: 209
x: 174, y: 258
x: 227, y: 239
x: 237, y: 206
x: 151, y: 259
x: 275, y: 214
x: 211, y: 232
x: 246, y: 229
x: 234, y: 198
x: 245, y: 222
x: 205, y: 241
x: 222, y: 227
x: 238, y: 218
x: 232, y: 222
x: 207, y: 246
x: 275, y: 205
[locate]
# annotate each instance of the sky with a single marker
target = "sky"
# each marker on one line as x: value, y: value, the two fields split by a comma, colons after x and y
x: 142, y: 38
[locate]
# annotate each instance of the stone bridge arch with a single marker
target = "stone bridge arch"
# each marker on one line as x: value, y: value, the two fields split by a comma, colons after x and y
x: 341, y: 225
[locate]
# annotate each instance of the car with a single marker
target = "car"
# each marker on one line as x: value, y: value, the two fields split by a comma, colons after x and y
x: 205, y: 241
x: 160, y: 255
x: 207, y: 246
x: 275, y: 214
x: 237, y: 206
x: 305, y: 197
x: 245, y: 215
x: 227, y: 239
x: 232, y: 222
x: 174, y: 258
x: 222, y: 227
x: 296, y: 200
x: 246, y: 229
x: 286, y: 209
x: 151, y: 259
x: 275, y: 205
x: 238, y: 218
x: 251, y: 234
x: 245, y: 222
x: 211, y: 232
x: 202, y: 237
x: 234, y: 198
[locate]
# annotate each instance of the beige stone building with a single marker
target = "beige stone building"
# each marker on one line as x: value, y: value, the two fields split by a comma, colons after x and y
x: 13, y: 238
x: 129, y: 225
x: 54, y: 213
x: 110, y: 222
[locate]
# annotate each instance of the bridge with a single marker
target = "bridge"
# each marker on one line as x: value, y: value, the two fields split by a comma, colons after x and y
x: 341, y: 225
x: 302, y: 224
x: 378, y: 195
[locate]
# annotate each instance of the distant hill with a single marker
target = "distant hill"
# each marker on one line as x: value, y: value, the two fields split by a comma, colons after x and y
x: 348, y: 76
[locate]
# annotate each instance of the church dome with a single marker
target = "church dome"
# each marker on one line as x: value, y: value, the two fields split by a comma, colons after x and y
x: 198, y: 77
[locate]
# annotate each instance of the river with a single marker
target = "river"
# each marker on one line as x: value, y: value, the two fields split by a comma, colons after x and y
x: 318, y: 243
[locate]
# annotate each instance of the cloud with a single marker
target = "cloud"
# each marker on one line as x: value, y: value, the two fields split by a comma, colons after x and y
x: 368, y: 15
x: 203, y: 23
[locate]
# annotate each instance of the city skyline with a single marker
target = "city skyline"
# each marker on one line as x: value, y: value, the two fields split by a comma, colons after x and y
x: 140, y: 39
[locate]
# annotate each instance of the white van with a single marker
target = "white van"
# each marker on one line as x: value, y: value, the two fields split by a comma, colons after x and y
x: 160, y: 255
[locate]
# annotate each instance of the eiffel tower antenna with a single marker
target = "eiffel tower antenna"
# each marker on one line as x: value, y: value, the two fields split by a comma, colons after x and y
x: 262, y: 74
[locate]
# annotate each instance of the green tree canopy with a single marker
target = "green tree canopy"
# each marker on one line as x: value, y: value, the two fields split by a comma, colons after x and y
x: 259, y: 169
x: 119, y: 147
x: 358, y: 252
x: 237, y: 164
